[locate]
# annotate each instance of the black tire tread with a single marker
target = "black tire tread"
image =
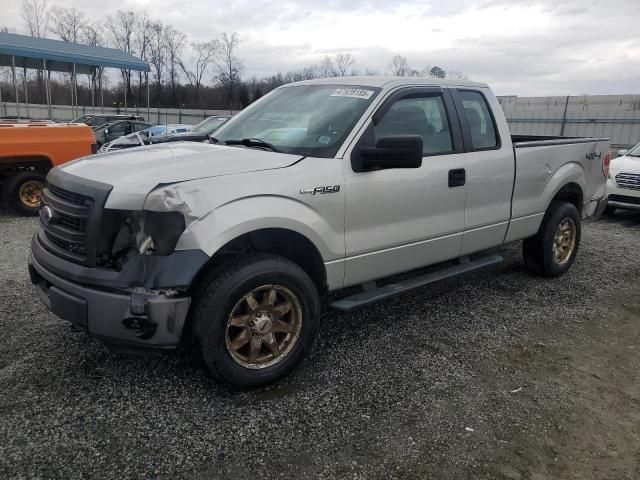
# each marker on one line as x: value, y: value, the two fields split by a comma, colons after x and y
x: 10, y: 192
x: 534, y: 248
x: 208, y: 288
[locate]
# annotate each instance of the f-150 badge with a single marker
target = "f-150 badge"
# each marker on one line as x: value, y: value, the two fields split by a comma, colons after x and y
x: 321, y: 190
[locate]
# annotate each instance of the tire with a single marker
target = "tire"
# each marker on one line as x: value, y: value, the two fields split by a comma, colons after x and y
x: 18, y: 186
x: 224, y: 294
x: 538, y: 251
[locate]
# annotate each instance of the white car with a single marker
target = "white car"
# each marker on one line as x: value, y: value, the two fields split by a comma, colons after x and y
x: 142, y: 138
x: 623, y: 184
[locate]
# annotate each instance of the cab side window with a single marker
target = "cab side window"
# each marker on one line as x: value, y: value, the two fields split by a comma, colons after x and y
x: 424, y: 116
x: 483, y: 131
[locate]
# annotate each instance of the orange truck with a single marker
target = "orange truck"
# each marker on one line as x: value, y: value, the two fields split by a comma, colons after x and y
x: 29, y: 150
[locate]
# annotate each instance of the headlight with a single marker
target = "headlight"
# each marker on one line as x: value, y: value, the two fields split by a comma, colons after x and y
x: 126, y: 233
x: 160, y: 233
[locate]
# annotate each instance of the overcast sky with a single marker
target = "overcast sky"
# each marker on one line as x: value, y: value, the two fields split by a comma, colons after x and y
x: 523, y: 47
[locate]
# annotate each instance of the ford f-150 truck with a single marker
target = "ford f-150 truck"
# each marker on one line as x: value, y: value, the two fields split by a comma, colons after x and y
x: 318, y: 186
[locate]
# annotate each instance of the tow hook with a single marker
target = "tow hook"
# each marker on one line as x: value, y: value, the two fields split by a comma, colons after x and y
x: 144, y: 328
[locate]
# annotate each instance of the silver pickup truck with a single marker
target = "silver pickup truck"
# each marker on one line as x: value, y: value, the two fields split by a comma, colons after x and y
x: 318, y: 186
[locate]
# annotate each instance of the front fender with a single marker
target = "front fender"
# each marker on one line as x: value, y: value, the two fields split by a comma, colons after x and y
x: 231, y: 220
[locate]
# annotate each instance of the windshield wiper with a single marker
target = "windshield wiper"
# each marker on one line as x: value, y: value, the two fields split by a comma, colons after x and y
x: 253, y: 142
x: 213, y: 139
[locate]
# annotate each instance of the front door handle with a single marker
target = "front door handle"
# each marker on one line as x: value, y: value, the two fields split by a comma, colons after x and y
x: 457, y: 177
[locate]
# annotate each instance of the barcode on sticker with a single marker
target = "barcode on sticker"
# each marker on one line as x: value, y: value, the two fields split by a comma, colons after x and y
x: 353, y: 93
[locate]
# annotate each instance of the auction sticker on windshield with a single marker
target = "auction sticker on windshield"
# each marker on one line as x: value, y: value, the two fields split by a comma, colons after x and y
x: 353, y: 93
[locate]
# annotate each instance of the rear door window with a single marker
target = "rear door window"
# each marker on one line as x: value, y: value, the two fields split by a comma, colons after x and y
x: 476, y: 110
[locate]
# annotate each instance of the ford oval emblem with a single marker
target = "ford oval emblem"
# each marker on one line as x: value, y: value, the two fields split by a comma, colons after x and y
x: 46, y: 214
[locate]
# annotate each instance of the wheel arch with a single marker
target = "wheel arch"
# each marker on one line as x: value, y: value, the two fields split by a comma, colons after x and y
x: 571, y: 193
x: 287, y: 243
x: 37, y: 162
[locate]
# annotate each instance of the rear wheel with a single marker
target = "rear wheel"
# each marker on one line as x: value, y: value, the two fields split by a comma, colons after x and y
x: 553, y: 250
x: 23, y: 192
x: 254, y: 320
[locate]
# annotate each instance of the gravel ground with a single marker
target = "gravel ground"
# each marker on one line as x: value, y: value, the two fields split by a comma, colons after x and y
x: 495, y: 375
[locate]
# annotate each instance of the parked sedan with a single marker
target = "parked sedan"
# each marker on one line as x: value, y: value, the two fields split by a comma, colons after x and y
x: 113, y: 130
x: 623, y: 184
x: 99, y: 119
x: 199, y: 133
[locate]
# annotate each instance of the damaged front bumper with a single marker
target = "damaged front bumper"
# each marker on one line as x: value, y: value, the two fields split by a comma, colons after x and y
x: 147, y: 312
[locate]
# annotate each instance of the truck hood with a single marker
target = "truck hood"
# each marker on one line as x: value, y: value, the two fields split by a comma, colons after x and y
x: 135, y: 172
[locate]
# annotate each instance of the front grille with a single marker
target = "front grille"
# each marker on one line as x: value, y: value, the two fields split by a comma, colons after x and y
x: 76, y: 249
x: 71, y: 215
x: 75, y: 198
x: 77, y: 224
x: 628, y: 180
x: 65, y: 225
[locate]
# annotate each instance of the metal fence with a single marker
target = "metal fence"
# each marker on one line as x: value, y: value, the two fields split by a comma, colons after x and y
x: 158, y: 115
x: 614, y: 116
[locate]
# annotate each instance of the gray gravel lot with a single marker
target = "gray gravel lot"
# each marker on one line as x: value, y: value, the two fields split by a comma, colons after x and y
x: 496, y: 375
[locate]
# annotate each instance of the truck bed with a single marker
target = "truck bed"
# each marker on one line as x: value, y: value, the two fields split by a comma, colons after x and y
x: 543, y: 165
x: 523, y: 141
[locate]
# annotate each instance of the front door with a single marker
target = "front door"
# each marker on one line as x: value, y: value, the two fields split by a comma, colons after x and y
x: 401, y: 219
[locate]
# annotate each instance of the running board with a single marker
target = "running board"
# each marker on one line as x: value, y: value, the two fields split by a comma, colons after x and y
x: 375, y: 295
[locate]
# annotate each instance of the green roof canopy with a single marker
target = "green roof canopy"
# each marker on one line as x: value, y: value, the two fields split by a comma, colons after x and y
x: 60, y: 56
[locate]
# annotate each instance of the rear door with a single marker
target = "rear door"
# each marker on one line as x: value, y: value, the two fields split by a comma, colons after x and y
x: 491, y: 169
x: 401, y: 219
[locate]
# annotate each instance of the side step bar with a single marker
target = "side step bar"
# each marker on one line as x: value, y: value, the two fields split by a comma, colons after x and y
x: 370, y: 296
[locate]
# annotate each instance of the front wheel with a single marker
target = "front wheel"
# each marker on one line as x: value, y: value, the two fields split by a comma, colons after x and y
x: 553, y: 250
x: 254, y: 320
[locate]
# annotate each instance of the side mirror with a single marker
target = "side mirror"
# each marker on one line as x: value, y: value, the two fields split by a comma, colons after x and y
x: 396, y: 151
x: 622, y: 153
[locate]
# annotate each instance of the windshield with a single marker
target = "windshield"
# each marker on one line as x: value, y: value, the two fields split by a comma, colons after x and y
x: 634, y: 152
x: 310, y: 120
x: 208, y: 125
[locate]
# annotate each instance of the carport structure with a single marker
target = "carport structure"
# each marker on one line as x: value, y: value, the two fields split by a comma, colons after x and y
x: 22, y: 51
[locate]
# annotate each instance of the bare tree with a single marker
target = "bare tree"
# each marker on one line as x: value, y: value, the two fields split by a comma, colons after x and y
x: 122, y: 27
x: 93, y: 34
x: 327, y: 68
x: 343, y: 62
x: 140, y: 46
x: 35, y: 16
x: 175, y: 42
x: 157, y: 55
x: 437, y: 72
x: 204, y: 54
x: 399, y: 66
x: 229, y: 65
x: 67, y: 23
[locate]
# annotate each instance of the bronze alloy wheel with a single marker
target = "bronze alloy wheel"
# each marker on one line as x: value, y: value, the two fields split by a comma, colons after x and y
x: 264, y: 326
x: 564, y: 241
x: 30, y: 193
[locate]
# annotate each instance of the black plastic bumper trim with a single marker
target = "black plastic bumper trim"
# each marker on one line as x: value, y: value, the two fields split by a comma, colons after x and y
x: 172, y: 271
